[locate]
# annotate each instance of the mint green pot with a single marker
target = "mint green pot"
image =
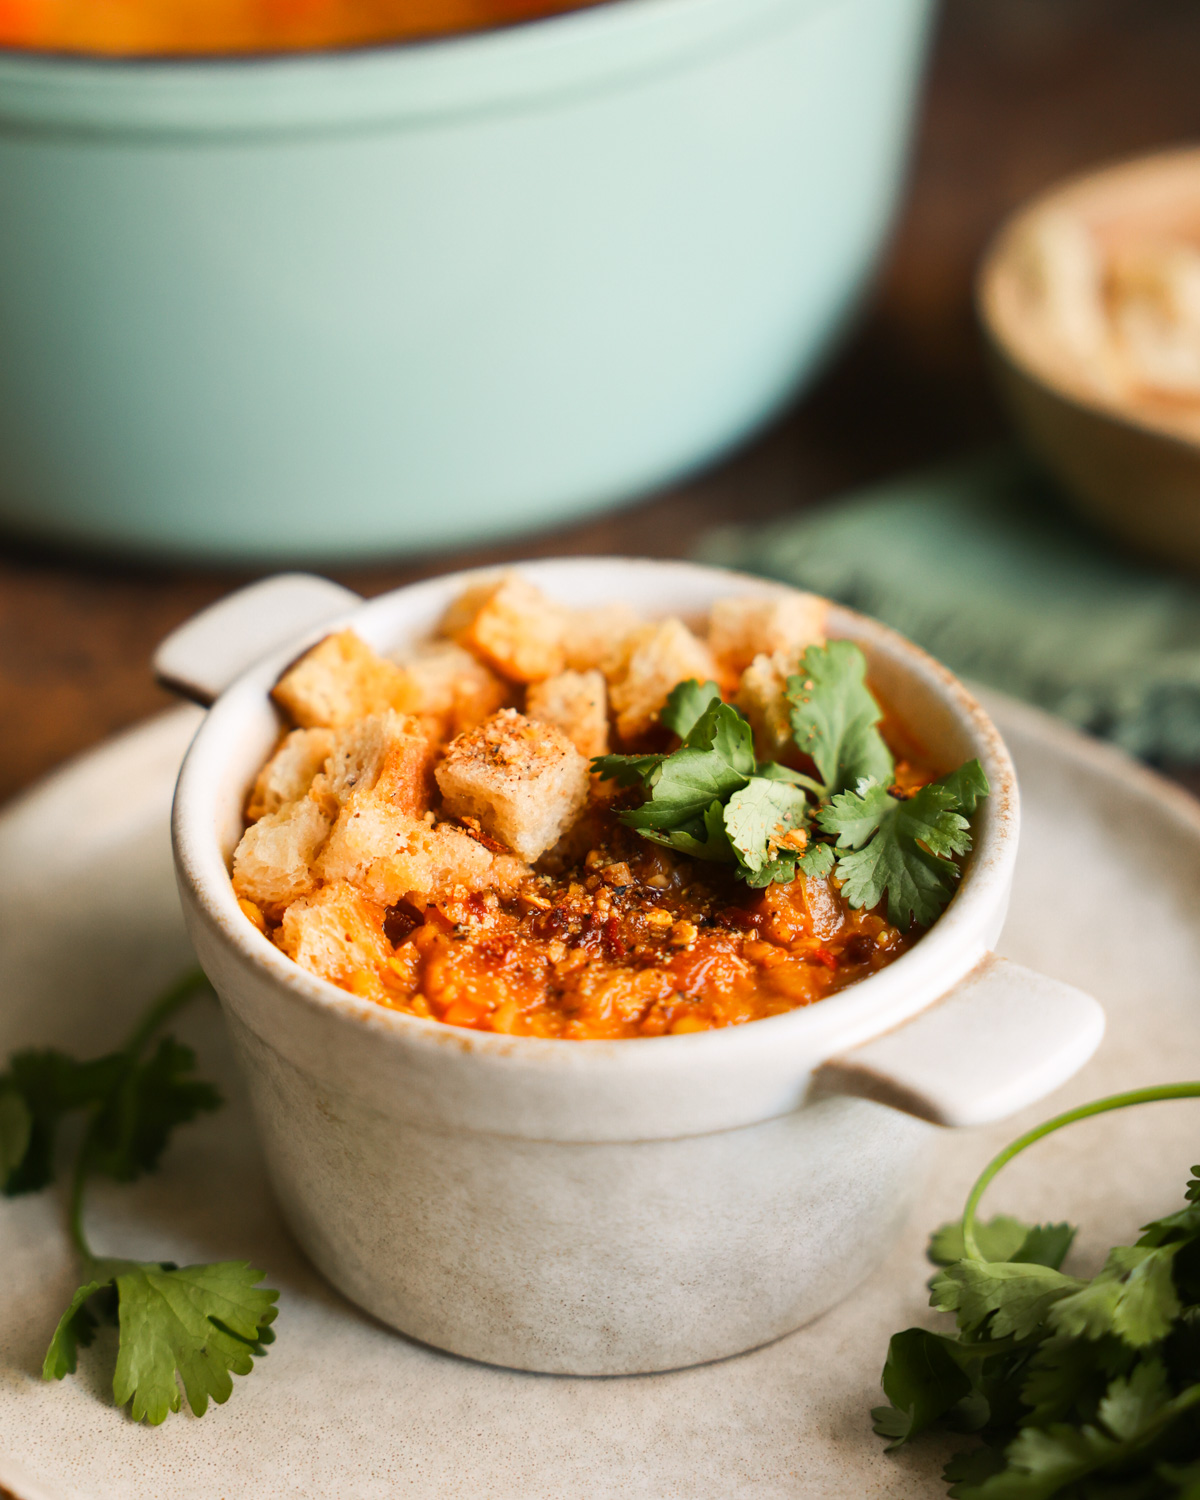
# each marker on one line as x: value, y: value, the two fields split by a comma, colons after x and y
x: 350, y: 304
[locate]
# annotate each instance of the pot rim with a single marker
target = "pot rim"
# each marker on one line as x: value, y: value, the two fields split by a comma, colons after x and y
x: 955, y: 943
x: 547, y: 60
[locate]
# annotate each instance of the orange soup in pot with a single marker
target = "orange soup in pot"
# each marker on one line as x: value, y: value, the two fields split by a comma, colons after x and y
x: 199, y: 27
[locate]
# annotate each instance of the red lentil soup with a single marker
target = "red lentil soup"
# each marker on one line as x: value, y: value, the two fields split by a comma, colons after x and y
x: 631, y: 941
x: 435, y: 835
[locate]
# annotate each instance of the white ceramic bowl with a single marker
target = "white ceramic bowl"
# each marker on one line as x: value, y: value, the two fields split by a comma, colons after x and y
x: 620, y: 1206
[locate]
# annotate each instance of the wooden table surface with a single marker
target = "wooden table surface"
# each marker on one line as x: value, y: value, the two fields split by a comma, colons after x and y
x: 1020, y: 92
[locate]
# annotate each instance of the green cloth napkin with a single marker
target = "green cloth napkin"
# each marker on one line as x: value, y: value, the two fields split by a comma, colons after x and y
x: 980, y: 565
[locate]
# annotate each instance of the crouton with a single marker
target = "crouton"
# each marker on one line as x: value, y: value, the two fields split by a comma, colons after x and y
x: 523, y: 781
x: 336, y: 933
x: 273, y: 864
x: 338, y: 681
x: 388, y: 855
x: 453, y: 688
x: 576, y: 703
x: 388, y: 754
x: 650, y: 662
x: 589, y: 636
x: 754, y: 625
x: 511, y: 626
x: 761, y: 697
x: 290, y: 771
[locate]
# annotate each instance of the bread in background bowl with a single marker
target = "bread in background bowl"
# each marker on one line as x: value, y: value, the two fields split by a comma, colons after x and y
x: 1090, y: 299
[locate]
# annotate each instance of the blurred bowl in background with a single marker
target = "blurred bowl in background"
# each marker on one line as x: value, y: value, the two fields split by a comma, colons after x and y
x: 1090, y: 300
x: 347, y: 304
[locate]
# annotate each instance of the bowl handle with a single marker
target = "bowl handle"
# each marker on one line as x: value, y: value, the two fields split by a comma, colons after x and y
x: 207, y: 652
x: 1002, y: 1038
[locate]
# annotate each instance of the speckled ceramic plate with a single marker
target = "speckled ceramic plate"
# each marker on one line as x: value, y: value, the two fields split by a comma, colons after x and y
x: 1107, y: 896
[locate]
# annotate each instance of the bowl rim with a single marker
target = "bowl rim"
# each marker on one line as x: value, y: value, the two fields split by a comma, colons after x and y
x: 557, y: 58
x: 928, y: 970
x: 1079, y: 185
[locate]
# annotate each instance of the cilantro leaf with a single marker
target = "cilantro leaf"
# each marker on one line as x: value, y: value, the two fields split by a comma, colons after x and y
x: 148, y: 1102
x: 922, y: 1380
x: 686, y: 704
x: 998, y: 1239
x: 625, y: 770
x: 51, y: 1086
x: 856, y: 817
x: 1133, y: 1297
x: 1046, y: 1245
x: 716, y: 760
x: 1135, y: 1400
x: 200, y: 1323
x: 76, y: 1329
x: 1182, y: 1225
x: 1007, y: 1297
x: 834, y: 717
x: 972, y: 1468
x: 1004, y: 1238
x: 16, y: 1130
x: 702, y: 838
x: 683, y: 787
x: 724, y: 732
x: 1064, y: 1374
x: 902, y: 847
x: 817, y: 861
x: 773, y: 771
x: 967, y: 786
x: 884, y: 859
x: 758, y: 815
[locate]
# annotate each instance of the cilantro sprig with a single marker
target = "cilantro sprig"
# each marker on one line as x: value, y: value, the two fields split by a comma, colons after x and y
x: 1084, y: 1389
x: 712, y: 799
x: 199, y: 1324
x: 904, y: 848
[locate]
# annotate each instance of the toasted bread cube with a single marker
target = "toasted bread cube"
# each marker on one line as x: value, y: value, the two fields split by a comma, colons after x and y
x: 576, y: 703
x: 511, y: 626
x: 336, y: 933
x: 755, y: 625
x: 590, y: 636
x: 340, y: 680
x: 389, y: 754
x: 651, y: 661
x: 761, y: 697
x: 290, y: 771
x: 524, y: 782
x: 388, y: 855
x: 377, y: 783
x: 453, y: 688
x: 274, y: 863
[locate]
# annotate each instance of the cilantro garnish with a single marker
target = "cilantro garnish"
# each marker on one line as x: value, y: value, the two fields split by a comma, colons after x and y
x: 834, y: 718
x: 712, y: 800
x: 1081, y: 1389
x: 904, y: 848
x: 196, y: 1324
